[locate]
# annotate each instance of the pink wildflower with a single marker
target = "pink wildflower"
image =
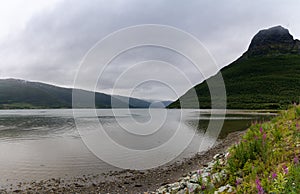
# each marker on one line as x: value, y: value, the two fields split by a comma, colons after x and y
x: 285, y: 169
x: 259, y: 188
x: 261, y: 129
x: 274, y: 175
x: 198, y: 172
x: 296, y: 160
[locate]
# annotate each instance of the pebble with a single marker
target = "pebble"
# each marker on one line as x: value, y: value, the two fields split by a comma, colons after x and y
x: 190, y: 182
x: 192, y: 186
x: 194, y: 178
x: 227, y: 188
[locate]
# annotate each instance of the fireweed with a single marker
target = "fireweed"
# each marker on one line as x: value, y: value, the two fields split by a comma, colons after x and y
x: 267, y: 158
x: 259, y: 188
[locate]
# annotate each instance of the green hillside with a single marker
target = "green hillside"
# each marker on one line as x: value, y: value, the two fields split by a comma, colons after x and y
x: 20, y: 94
x: 267, y: 76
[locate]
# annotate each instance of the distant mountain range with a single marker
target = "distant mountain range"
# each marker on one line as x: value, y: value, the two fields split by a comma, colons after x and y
x: 21, y: 94
x: 266, y: 76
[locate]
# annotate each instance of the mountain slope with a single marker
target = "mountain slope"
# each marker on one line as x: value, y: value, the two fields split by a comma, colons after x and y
x: 23, y: 94
x: 267, y: 76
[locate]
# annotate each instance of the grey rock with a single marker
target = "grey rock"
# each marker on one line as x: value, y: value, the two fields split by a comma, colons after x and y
x: 181, y: 192
x: 227, y: 188
x: 194, y: 178
x: 187, y: 178
x: 273, y: 41
x: 161, y: 190
x: 192, y: 186
x: 211, y: 165
x: 217, y: 156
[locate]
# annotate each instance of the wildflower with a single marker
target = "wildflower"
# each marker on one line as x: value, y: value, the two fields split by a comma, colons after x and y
x: 296, y: 160
x: 264, y: 136
x: 259, y: 188
x: 285, y: 169
x: 255, y: 137
x: 203, y: 187
x: 274, y: 175
x: 199, y: 173
x: 261, y: 129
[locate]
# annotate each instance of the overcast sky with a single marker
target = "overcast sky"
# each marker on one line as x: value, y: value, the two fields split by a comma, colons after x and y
x: 46, y: 40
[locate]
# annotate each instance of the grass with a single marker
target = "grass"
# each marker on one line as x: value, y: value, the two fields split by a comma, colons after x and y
x: 267, y: 158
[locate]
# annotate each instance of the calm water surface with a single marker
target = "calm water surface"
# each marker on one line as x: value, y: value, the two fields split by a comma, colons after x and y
x: 41, y: 144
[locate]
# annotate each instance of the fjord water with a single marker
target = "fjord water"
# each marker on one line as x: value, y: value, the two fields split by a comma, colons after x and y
x: 44, y: 144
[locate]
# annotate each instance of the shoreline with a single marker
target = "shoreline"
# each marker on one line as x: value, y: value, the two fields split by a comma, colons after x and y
x: 129, y: 181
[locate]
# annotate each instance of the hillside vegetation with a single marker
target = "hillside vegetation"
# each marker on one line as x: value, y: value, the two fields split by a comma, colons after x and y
x: 20, y: 94
x: 267, y: 76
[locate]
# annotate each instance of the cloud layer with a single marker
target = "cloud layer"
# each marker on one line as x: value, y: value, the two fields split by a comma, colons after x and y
x: 53, y: 43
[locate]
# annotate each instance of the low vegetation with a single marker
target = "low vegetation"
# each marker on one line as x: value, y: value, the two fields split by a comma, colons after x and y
x: 267, y: 158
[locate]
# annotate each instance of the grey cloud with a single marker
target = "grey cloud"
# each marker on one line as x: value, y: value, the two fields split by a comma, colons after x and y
x: 53, y: 43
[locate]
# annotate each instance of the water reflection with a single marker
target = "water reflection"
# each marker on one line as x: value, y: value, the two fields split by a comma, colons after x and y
x: 38, y: 144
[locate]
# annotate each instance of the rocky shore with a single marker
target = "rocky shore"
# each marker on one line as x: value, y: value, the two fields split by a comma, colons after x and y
x: 266, y: 160
x: 176, y: 178
x: 206, y: 178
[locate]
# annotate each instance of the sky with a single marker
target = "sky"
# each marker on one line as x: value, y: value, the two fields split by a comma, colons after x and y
x: 47, y: 40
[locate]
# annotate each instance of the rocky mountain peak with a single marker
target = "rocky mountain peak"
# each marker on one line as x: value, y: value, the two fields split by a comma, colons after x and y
x: 273, y: 41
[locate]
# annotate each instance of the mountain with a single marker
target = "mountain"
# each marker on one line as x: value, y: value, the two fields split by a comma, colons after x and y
x: 273, y: 41
x: 266, y: 76
x: 16, y: 93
